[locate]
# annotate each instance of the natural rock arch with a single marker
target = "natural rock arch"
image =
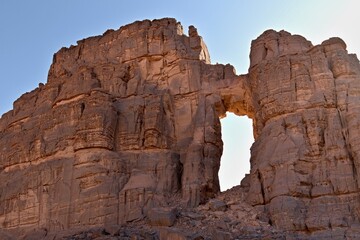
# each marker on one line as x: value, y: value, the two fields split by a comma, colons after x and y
x: 237, y: 136
x: 130, y: 119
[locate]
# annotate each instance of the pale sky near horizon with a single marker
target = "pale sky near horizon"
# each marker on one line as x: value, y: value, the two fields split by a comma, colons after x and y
x: 32, y: 31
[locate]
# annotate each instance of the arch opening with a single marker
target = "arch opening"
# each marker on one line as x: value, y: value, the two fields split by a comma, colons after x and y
x: 237, y: 137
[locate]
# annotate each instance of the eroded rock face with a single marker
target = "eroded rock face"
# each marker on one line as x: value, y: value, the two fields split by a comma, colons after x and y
x: 305, y: 160
x: 129, y: 122
x: 126, y: 121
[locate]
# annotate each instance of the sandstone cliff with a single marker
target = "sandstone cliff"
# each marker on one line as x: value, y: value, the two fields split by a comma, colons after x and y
x: 128, y: 123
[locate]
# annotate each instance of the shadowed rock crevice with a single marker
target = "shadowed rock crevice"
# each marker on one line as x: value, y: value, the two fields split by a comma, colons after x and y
x: 128, y: 122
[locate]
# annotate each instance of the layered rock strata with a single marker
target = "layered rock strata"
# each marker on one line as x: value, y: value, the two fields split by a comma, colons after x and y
x: 128, y: 122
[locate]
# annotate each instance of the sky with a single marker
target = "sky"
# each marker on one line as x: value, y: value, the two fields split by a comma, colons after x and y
x: 32, y: 31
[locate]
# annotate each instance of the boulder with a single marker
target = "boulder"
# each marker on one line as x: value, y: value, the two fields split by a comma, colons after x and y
x: 162, y: 216
x: 217, y: 205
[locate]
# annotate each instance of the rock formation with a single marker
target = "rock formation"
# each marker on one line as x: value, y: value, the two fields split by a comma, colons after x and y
x: 127, y: 129
x: 305, y: 160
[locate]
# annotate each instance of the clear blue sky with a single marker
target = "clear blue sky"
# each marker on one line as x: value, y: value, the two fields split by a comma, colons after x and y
x: 32, y: 31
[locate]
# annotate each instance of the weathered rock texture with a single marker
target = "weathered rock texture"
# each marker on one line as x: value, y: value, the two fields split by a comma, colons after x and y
x: 305, y: 160
x: 128, y: 123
